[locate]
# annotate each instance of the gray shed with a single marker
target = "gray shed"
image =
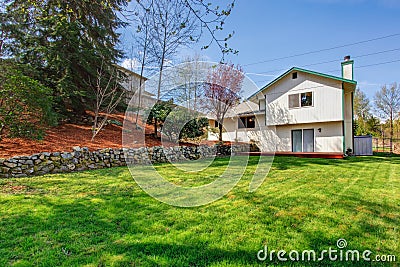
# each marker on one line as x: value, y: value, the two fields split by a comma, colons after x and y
x: 363, y: 145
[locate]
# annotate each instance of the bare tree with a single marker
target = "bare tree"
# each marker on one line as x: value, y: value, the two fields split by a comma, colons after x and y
x: 176, y: 23
x: 173, y: 26
x: 168, y: 25
x: 143, y: 42
x: 189, y: 76
x: 212, y: 19
x: 387, y: 103
x: 222, y: 91
x: 108, y: 93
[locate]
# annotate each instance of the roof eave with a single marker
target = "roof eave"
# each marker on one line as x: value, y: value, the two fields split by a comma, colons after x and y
x: 251, y: 98
x: 129, y: 71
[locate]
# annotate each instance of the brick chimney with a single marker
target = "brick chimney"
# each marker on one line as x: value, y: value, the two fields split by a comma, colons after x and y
x: 347, y: 68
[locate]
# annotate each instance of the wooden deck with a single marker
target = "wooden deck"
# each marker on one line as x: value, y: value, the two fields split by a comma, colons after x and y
x: 324, y: 155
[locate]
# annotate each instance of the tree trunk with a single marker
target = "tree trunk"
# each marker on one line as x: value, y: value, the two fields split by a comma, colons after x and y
x: 220, y: 132
x: 95, y: 122
x: 140, y: 86
x: 159, y: 81
x: 155, y: 128
x: 195, y: 99
x: 2, y: 38
x: 162, y: 61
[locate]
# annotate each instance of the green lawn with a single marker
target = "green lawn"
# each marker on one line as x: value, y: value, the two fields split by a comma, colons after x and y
x: 102, y: 218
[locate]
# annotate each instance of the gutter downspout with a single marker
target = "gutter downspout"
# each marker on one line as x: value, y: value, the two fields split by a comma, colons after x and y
x: 352, y: 121
x: 343, y: 121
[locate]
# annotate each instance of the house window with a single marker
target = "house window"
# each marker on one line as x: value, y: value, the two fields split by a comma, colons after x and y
x: 294, y: 101
x: 301, y: 100
x: 247, y: 122
x: 306, y: 99
x: 262, y: 104
x: 294, y: 75
x: 216, y: 124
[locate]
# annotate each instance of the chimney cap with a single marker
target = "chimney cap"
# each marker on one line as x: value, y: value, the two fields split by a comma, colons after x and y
x: 347, y: 58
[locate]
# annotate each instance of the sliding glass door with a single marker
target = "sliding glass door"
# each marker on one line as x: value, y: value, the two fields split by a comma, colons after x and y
x: 297, y: 141
x: 308, y: 140
x: 303, y: 140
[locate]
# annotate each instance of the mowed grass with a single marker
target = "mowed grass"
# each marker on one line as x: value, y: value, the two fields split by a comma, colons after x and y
x: 102, y: 218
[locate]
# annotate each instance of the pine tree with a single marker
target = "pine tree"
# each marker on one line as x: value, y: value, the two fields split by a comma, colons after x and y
x: 64, y: 42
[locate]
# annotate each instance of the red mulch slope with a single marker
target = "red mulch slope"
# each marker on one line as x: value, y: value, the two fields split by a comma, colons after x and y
x: 66, y: 136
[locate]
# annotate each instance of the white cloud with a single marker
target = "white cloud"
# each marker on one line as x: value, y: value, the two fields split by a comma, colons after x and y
x: 134, y: 64
x: 130, y: 63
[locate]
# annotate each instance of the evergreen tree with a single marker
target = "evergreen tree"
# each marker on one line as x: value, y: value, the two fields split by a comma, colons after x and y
x: 64, y: 42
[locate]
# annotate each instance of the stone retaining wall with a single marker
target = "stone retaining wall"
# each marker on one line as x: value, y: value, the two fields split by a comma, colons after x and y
x: 82, y: 159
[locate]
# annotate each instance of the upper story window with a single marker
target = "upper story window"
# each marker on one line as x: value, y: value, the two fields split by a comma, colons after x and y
x: 294, y: 75
x: 306, y: 99
x: 301, y: 100
x: 247, y: 122
x: 294, y: 101
x: 261, y: 104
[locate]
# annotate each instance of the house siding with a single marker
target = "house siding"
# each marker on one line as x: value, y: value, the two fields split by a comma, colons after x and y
x: 327, y: 100
x: 278, y: 138
x: 330, y: 115
x: 348, y: 121
x: 330, y: 138
x: 231, y: 131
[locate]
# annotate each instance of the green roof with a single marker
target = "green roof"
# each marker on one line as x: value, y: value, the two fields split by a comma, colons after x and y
x: 305, y: 71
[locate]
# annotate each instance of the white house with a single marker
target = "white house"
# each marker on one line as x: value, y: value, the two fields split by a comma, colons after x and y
x: 300, y: 111
x: 131, y: 85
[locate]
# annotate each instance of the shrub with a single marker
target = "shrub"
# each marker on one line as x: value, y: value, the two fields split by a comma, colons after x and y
x: 194, y: 128
x: 25, y: 104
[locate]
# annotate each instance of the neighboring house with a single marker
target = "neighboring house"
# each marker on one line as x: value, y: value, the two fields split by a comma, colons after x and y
x: 131, y: 84
x: 300, y: 111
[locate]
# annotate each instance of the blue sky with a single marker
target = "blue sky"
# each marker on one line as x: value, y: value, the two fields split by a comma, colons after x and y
x: 266, y: 30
